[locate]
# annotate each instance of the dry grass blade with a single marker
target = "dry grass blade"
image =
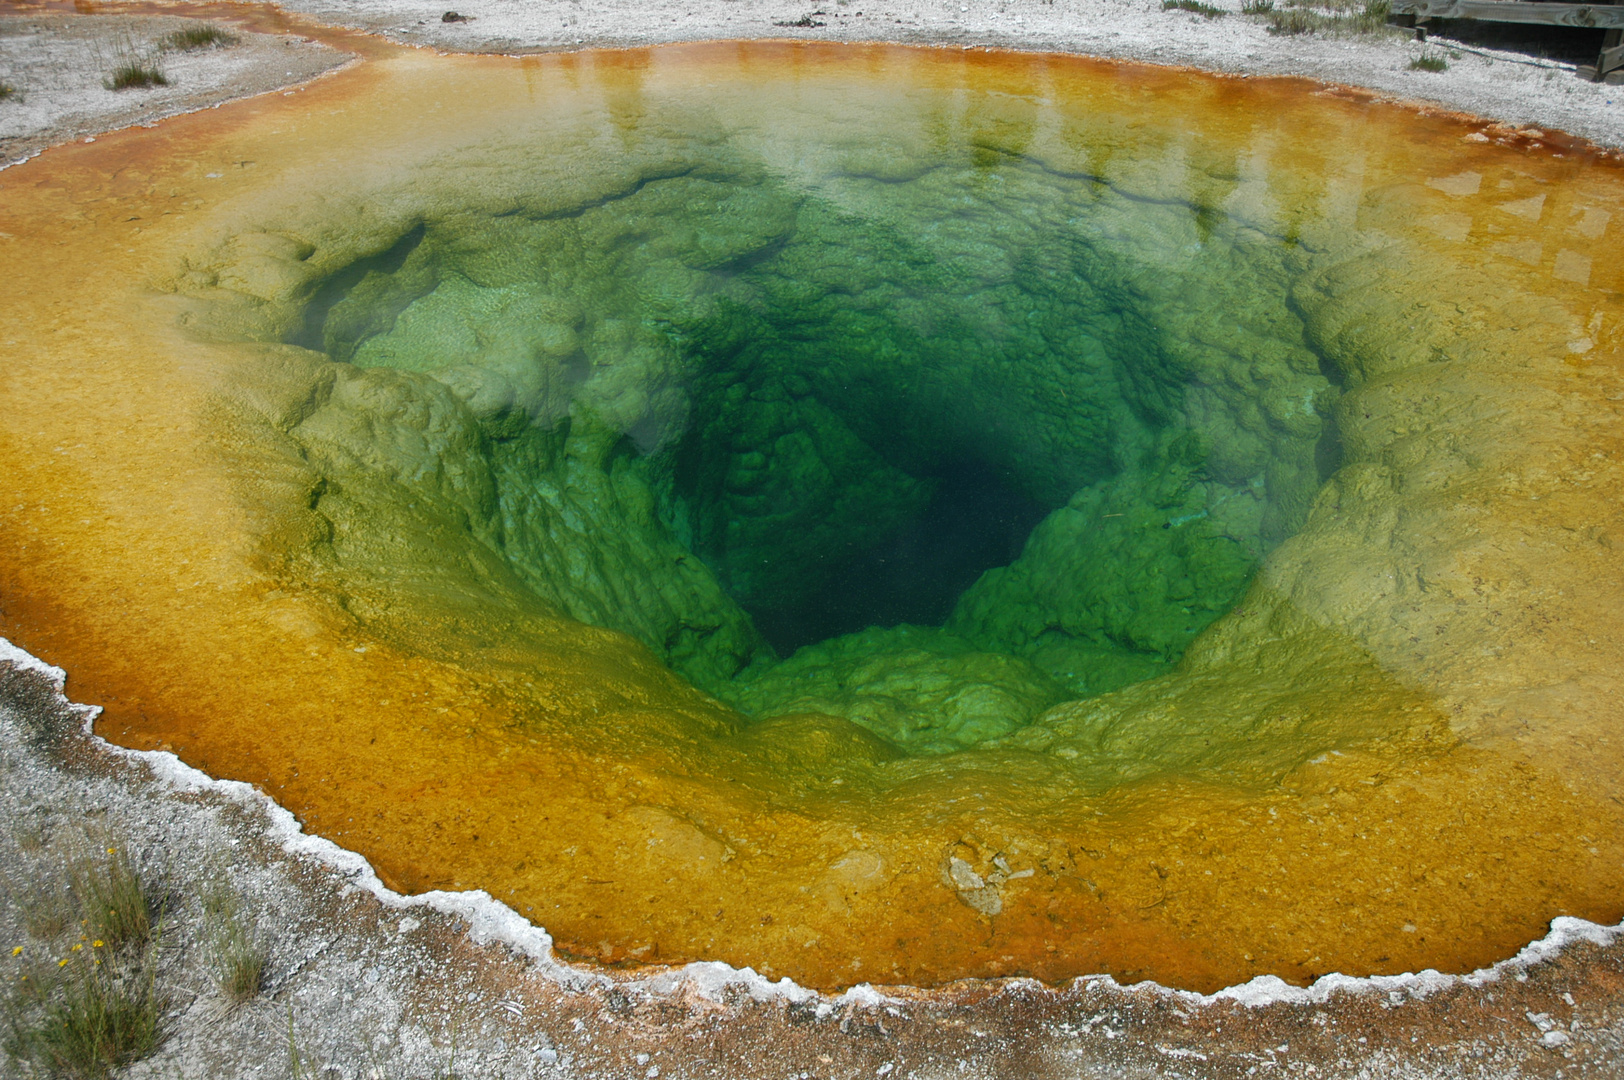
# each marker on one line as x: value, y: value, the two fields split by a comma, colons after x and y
x: 47, y: 909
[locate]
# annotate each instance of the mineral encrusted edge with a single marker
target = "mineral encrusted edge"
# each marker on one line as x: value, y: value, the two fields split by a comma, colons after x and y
x: 492, y: 922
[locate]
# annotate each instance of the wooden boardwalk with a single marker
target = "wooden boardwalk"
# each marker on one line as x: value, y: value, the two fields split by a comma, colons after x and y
x: 1608, y: 17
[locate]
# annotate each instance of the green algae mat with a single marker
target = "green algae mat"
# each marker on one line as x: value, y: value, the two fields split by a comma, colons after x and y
x: 861, y: 513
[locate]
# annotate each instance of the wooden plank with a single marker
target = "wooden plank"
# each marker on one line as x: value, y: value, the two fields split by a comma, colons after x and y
x: 1514, y: 11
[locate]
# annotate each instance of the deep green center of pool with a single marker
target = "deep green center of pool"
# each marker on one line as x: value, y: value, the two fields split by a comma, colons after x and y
x: 932, y: 450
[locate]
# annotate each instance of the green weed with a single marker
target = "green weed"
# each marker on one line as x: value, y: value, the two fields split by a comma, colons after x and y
x: 235, y: 956
x: 86, y: 1013
x: 1429, y: 62
x: 113, y: 901
x: 8, y: 92
x: 130, y: 66
x: 192, y: 38
x: 135, y: 76
x: 1295, y: 21
x: 1195, y: 7
x: 1332, y: 17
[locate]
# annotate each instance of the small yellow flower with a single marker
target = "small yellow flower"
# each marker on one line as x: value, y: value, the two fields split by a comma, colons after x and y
x: 98, y: 943
x: 18, y: 951
x: 112, y: 850
x: 62, y: 962
x: 76, y: 948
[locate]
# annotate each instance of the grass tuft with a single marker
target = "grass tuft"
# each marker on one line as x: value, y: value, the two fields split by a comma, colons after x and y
x: 1429, y: 61
x: 8, y: 92
x: 130, y: 65
x: 30, y: 836
x: 193, y: 38
x: 1295, y: 21
x: 44, y: 903
x: 49, y: 911
x: 83, y: 1009
x: 236, y: 959
x: 1333, y: 17
x: 1195, y: 7
x: 86, y: 1018
x: 112, y: 899
x: 135, y: 75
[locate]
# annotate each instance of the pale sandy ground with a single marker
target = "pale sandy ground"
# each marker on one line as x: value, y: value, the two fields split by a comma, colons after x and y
x: 375, y: 991
x: 57, y: 66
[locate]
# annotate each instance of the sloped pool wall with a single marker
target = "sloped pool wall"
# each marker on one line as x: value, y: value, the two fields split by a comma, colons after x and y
x: 417, y: 450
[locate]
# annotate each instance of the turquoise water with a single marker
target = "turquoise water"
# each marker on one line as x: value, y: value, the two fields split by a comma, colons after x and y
x: 932, y: 449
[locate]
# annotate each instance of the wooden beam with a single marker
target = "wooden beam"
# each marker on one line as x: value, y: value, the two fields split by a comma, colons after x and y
x: 1514, y: 11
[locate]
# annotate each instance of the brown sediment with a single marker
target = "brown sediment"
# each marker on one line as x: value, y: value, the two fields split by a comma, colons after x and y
x: 1448, y: 611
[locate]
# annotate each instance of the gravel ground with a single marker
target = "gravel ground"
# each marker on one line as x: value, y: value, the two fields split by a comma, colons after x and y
x: 58, y: 66
x: 364, y: 983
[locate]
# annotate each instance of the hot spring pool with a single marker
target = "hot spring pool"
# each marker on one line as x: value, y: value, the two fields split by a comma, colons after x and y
x: 866, y: 514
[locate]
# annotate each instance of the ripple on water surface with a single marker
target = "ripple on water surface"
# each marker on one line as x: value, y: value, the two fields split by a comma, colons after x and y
x: 861, y: 513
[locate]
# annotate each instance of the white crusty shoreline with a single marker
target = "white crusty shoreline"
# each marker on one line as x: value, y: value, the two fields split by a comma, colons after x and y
x: 490, y: 921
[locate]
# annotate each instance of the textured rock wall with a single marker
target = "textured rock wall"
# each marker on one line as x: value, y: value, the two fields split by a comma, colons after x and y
x: 709, y: 388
